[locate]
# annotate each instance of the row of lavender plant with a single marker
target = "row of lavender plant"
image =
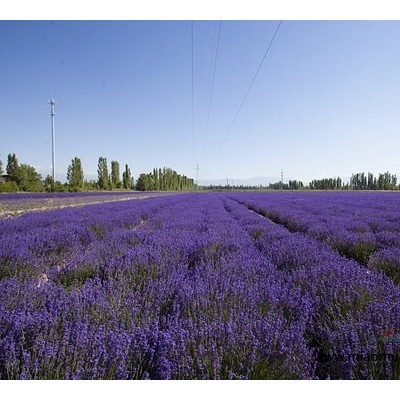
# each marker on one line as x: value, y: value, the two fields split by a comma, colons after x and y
x: 352, y: 306
x: 166, y: 288
x: 361, y: 226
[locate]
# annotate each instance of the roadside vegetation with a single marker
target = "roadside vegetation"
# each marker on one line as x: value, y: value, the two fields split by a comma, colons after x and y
x: 24, y: 178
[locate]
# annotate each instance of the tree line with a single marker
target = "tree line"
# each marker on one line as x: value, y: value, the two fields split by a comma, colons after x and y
x: 385, y: 181
x: 105, y: 181
x: 164, y: 179
x: 23, y: 177
x: 358, y: 181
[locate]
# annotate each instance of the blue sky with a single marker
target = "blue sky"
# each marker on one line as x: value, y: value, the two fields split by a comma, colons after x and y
x: 325, y: 103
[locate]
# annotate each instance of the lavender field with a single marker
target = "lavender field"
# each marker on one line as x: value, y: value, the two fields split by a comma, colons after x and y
x: 14, y: 204
x: 204, y: 286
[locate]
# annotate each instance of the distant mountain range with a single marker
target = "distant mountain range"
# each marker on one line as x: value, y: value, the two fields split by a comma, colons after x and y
x: 255, y: 181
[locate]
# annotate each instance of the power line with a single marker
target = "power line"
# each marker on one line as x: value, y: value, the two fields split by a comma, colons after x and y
x: 212, y: 87
x: 211, y: 63
x: 192, y: 92
x: 249, y: 88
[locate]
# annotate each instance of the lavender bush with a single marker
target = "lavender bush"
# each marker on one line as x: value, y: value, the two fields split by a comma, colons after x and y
x: 196, y: 286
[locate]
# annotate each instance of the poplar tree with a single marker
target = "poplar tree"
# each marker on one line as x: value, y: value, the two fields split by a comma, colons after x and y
x: 164, y: 179
x: 104, y: 181
x: 127, y: 180
x: 75, y: 175
x: 12, y: 166
x: 115, y: 176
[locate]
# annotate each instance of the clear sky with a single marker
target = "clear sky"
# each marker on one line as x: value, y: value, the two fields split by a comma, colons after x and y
x: 326, y: 101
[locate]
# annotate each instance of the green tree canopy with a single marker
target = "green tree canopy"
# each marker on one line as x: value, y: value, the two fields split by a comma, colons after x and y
x: 27, y: 178
x: 75, y: 175
x: 127, y: 179
x: 12, y: 166
x: 104, y: 180
x: 164, y: 179
x: 115, y: 175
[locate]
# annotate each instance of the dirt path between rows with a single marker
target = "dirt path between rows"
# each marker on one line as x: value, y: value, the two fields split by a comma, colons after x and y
x: 18, y: 212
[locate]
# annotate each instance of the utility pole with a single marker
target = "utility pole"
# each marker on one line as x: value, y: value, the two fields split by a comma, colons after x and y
x: 282, y: 179
x: 53, y: 142
x: 197, y: 173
